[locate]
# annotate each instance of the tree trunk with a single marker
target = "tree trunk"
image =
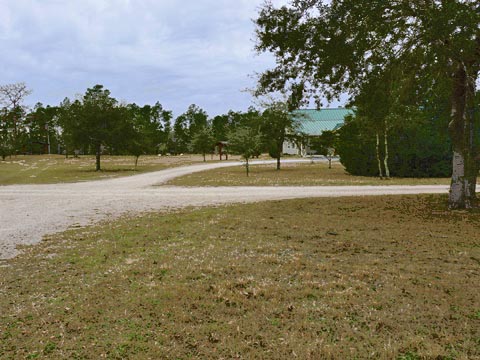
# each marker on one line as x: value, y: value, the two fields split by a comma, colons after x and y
x: 377, y: 150
x: 15, y: 129
x: 385, y: 159
x: 279, y: 149
x: 246, y: 166
x: 463, y: 129
x: 97, y: 158
x: 204, y: 159
x: 136, y: 162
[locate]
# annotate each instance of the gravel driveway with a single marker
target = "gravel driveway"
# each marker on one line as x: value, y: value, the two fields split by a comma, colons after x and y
x: 28, y: 212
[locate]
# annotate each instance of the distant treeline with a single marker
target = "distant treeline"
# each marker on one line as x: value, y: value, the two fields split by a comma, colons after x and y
x: 97, y: 123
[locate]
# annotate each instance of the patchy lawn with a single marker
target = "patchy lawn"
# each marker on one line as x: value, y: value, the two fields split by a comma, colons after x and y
x: 43, y: 169
x: 292, y: 175
x: 375, y: 277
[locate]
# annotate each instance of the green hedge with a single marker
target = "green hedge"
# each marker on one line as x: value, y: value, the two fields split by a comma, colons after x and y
x: 416, y: 149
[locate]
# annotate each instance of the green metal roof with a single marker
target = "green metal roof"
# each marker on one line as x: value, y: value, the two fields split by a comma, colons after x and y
x: 314, y: 122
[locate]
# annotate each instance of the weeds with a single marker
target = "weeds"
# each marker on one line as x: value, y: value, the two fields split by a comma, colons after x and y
x: 397, y: 280
x: 292, y: 175
x: 42, y: 169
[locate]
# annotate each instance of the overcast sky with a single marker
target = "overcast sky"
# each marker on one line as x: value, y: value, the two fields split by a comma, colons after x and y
x: 175, y: 52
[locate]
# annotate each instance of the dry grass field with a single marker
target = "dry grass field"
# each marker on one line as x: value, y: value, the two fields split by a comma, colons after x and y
x: 346, y: 278
x: 292, y: 174
x: 42, y: 169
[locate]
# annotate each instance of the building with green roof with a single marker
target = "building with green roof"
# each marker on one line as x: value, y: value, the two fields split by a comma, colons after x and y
x: 312, y: 123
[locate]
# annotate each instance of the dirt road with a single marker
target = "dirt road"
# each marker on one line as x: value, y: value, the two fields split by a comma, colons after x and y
x: 28, y: 212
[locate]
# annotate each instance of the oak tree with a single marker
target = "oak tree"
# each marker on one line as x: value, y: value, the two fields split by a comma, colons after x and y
x: 277, y: 125
x: 203, y: 141
x: 245, y: 142
x: 324, y: 48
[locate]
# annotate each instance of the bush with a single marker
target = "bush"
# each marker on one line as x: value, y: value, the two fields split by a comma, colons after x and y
x: 418, y: 148
x: 356, y: 151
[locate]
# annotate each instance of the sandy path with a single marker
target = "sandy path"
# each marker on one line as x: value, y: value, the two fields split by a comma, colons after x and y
x: 28, y: 212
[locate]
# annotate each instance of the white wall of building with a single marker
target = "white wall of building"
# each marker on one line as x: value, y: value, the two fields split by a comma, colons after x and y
x: 290, y: 148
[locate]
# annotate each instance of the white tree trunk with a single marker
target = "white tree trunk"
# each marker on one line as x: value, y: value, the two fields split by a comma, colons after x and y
x: 385, y: 160
x: 462, y: 186
x: 377, y: 149
x: 457, y: 184
x: 463, y: 133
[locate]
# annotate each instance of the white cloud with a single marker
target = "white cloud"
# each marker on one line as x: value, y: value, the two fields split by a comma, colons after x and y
x: 143, y: 50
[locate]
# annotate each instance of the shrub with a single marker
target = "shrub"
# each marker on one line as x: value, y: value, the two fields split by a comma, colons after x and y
x: 419, y: 148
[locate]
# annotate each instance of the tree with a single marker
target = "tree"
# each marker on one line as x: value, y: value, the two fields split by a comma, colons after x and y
x: 245, y: 142
x: 42, y: 128
x: 356, y: 147
x: 187, y: 125
x: 181, y: 136
x: 150, y: 128
x: 65, y: 116
x: 374, y: 104
x: 203, y: 141
x: 12, y: 96
x: 7, y: 144
x: 277, y: 125
x: 331, y: 47
x: 249, y: 119
x: 420, y: 147
x: 221, y: 126
x: 96, y: 121
x: 325, y: 144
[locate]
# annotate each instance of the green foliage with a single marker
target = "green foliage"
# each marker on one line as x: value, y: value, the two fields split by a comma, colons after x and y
x: 7, y: 138
x: 49, y: 348
x: 220, y: 125
x: 15, y: 136
x: 324, y: 143
x: 43, y: 129
x: 246, y: 142
x: 203, y: 141
x: 356, y: 150
x: 186, y: 126
x: 194, y: 120
x: 419, y: 147
x: 248, y: 119
x: 382, y: 50
x: 321, y: 47
x: 13, y: 127
x: 223, y: 124
x: 276, y: 125
x: 150, y: 129
x: 96, y: 122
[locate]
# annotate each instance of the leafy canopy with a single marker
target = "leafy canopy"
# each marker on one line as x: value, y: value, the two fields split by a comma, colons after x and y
x: 325, y: 48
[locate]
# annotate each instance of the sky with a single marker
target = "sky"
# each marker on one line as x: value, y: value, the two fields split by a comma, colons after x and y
x: 175, y: 52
